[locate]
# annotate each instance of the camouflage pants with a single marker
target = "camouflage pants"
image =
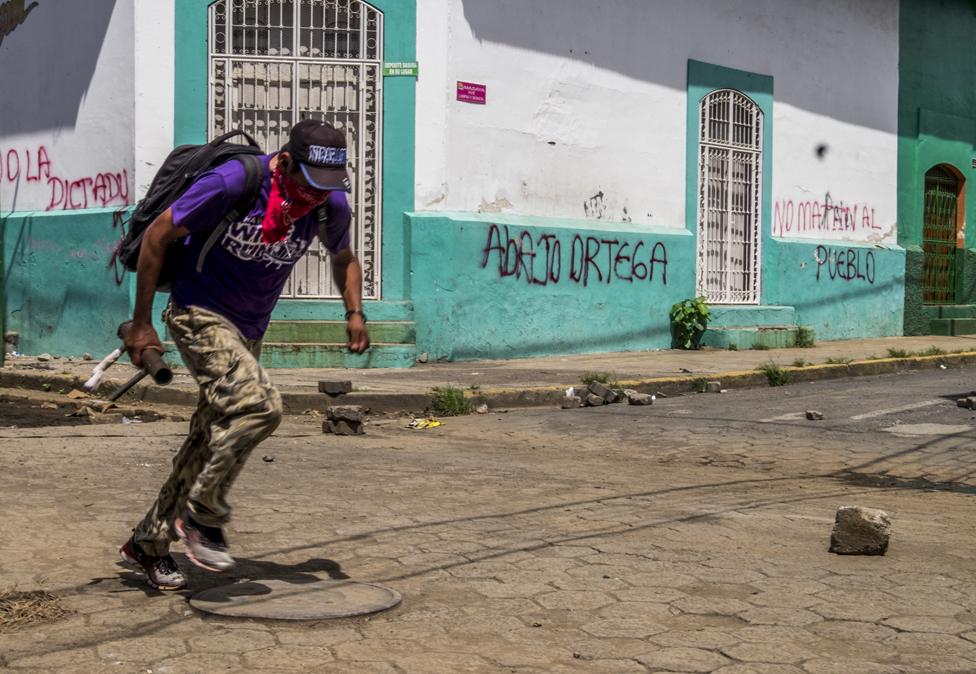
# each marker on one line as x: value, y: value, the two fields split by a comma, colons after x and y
x: 238, y: 408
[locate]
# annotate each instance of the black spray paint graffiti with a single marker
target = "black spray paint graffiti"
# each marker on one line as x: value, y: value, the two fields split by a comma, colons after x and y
x: 539, y: 259
x: 848, y: 264
x: 595, y: 206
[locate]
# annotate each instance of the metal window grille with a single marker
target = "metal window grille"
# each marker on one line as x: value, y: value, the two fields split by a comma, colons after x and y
x: 939, y: 237
x: 276, y: 62
x: 729, y: 198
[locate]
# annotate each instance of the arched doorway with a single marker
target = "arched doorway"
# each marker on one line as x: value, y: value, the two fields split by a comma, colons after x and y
x: 276, y: 62
x: 941, y: 233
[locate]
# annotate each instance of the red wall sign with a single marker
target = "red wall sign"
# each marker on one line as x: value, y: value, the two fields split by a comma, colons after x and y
x: 470, y: 92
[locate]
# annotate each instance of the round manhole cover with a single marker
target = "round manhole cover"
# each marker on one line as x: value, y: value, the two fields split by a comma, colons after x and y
x: 283, y: 600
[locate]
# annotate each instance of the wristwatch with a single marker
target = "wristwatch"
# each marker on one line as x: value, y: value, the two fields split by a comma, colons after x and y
x: 352, y: 312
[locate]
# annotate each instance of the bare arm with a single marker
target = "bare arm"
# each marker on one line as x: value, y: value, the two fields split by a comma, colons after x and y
x: 348, y: 276
x: 156, y: 239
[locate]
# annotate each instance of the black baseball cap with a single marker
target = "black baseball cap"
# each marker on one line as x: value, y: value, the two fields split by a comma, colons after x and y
x: 320, y: 151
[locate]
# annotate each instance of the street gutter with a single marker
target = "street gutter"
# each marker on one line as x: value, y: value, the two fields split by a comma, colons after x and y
x: 501, y: 398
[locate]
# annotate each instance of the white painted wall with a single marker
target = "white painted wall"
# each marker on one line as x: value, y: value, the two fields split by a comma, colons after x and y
x: 155, y: 40
x: 587, y: 98
x: 66, y: 113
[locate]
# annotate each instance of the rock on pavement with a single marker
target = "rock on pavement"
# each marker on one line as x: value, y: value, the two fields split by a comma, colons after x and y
x: 860, y: 531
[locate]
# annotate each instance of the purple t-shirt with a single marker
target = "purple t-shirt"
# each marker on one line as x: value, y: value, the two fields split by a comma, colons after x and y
x: 242, y: 276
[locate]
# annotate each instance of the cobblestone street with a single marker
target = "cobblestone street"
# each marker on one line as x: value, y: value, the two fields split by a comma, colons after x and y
x: 689, y: 536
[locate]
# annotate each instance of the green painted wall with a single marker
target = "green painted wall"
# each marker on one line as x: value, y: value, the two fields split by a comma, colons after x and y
x: 498, y: 286
x: 60, y: 294
x: 936, y: 125
x: 842, y: 290
x: 399, y: 114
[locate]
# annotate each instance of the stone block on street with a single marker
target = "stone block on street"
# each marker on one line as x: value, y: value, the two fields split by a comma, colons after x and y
x: 637, y: 398
x: 352, y: 413
x: 571, y: 402
x: 860, y: 531
x: 601, y: 389
x: 713, y: 387
x: 593, y: 400
x: 335, y: 388
x: 343, y: 427
x: 814, y: 415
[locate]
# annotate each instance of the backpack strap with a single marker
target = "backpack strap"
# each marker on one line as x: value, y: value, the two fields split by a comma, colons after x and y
x: 253, y: 174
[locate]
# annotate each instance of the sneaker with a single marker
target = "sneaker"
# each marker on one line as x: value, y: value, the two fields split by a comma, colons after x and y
x: 162, y: 573
x: 205, y: 546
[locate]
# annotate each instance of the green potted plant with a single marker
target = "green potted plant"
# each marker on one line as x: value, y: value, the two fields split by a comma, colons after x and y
x: 689, y: 318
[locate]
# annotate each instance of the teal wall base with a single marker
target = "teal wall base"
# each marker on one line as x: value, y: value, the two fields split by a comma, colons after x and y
x: 495, y: 286
x: 916, y: 321
x: 61, y: 296
x: 840, y: 289
x: 730, y: 316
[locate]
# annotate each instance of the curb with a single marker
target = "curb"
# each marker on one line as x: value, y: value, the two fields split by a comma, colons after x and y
x: 295, y: 403
x: 685, y: 384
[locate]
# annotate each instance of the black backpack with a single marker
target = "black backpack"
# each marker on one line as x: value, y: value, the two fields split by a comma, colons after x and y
x: 183, y: 165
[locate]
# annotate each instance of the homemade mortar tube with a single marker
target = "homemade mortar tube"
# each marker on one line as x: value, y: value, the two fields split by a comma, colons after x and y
x: 152, y: 361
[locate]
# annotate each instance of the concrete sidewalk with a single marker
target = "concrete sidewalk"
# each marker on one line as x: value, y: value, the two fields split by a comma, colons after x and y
x: 528, y: 381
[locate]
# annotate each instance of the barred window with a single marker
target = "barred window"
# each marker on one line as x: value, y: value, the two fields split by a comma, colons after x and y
x: 276, y: 62
x: 729, y: 198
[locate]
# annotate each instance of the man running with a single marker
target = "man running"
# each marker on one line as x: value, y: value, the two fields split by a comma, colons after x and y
x: 217, y: 317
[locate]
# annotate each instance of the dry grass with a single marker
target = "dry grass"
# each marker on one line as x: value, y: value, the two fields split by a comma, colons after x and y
x: 21, y: 609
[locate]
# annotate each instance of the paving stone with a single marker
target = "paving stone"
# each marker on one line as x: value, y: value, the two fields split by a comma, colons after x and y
x: 195, y: 663
x: 783, y: 600
x: 603, y: 391
x: 574, y: 600
x: 683, y: 660
x: 860, y: 531
x: 650, y: 594
x: 442, y: 663
x: 845, y: 630
x: 623, y: 627
x: 828, y: 666
x: 927, y: 624
x: 776, y: 653
x: 711, y: 605
x: 705, y: 638
x: 305, y: 658
x: 335, y: 388
x: 936, y: 663
x: 779, y: 634
x: 637, y: 398
x: 917, y: 642
x: 141, y: 649
x: 351, y: 413
x: 507, y: 590
x: 759, y: 668
x: 343, y: 427
x: 626, y: 610
x: 233, y: 641
x: 55, y: 660
x: 593, y: 400
x: 571, y: 402
x: 790, y: 617
x: 790, y: 585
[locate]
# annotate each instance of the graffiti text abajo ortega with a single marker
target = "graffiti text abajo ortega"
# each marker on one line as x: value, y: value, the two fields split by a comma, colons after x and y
x: 35, y: 167
x: 539, y: 259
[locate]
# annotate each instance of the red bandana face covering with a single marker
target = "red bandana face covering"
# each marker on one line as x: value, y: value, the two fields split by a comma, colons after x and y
x: 287, y: 202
